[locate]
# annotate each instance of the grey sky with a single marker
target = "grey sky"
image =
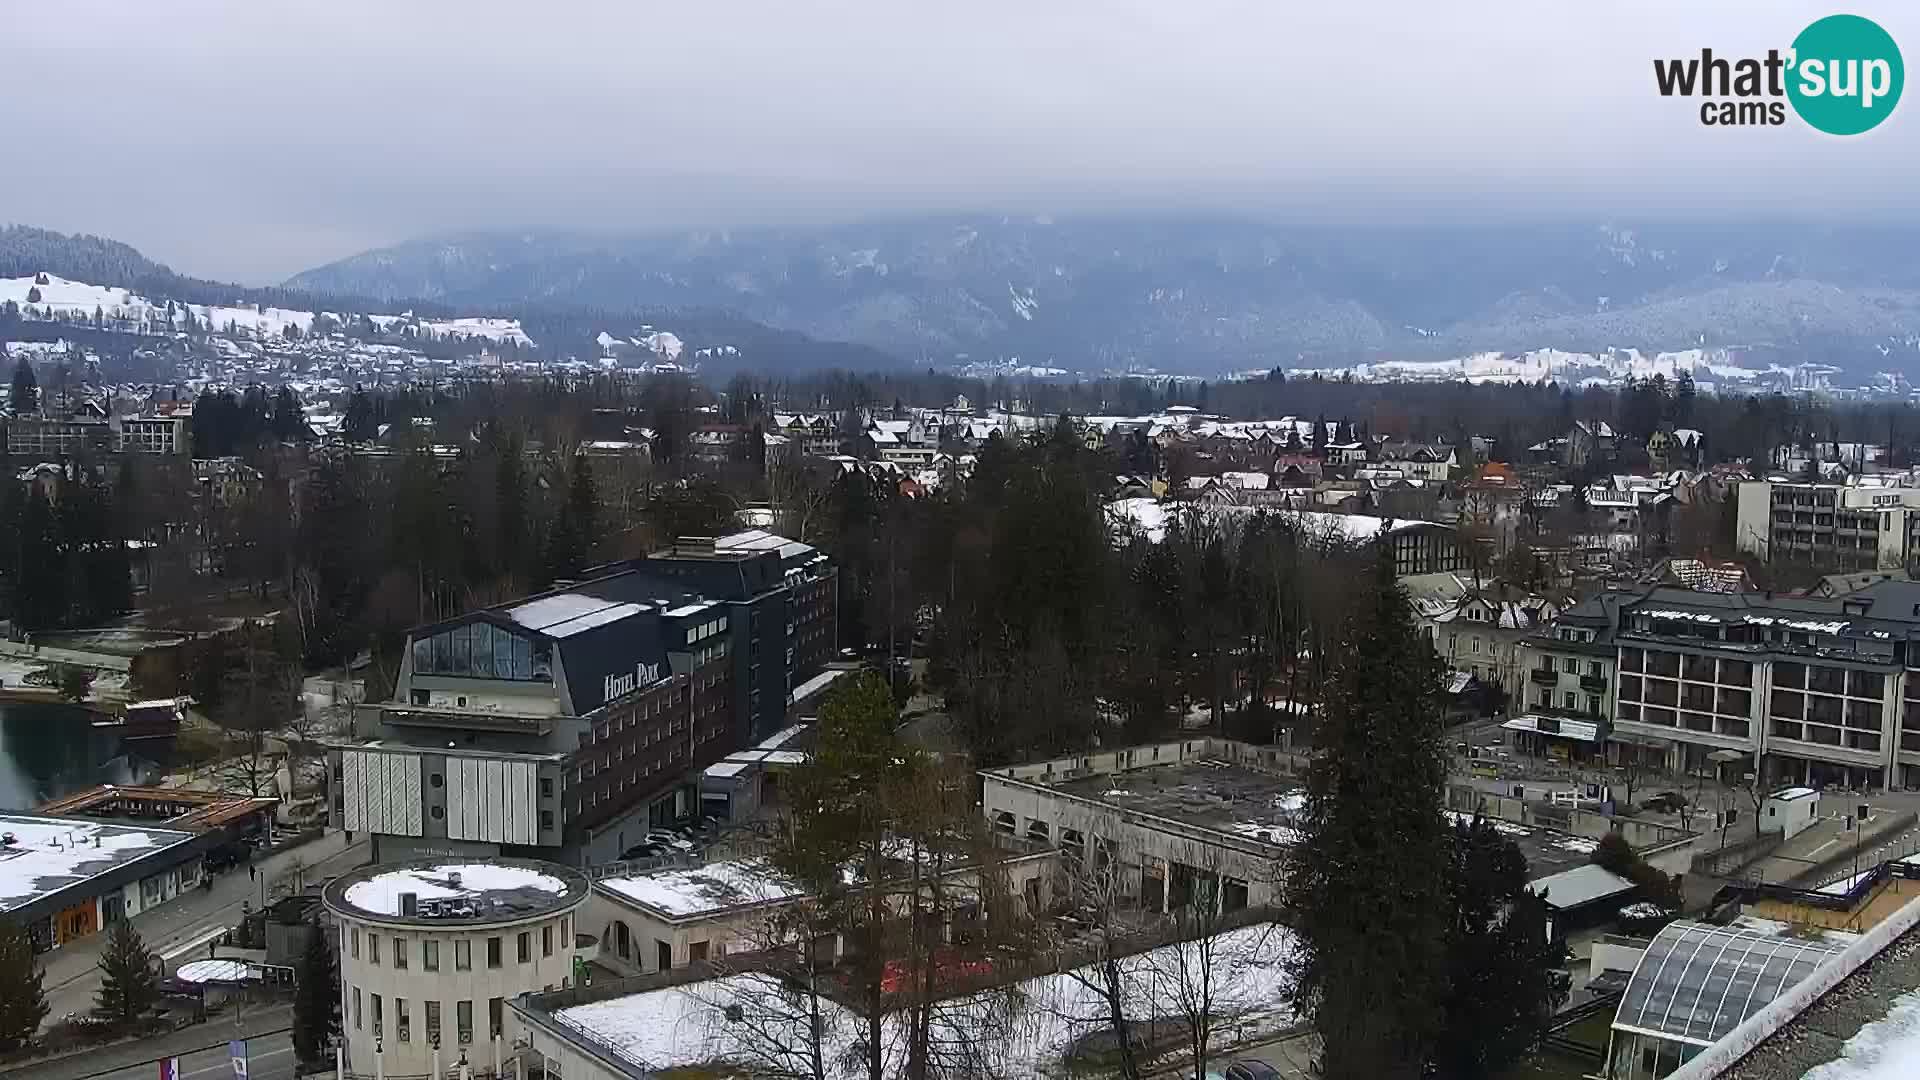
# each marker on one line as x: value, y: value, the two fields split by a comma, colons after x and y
x: 247, y: 140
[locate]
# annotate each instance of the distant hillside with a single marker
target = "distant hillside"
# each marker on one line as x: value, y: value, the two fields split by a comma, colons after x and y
x: 1209, y: 296
x: 91, y: 269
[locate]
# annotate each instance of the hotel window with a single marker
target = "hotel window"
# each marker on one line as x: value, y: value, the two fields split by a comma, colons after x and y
x: 463, y: 1017
x: 430, y: 955
x: 462, y: 954
x: 400, y: 952
x: 433, y: 1022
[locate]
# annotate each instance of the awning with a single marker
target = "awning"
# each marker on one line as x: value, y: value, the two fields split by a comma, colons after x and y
x: 1580, y: 730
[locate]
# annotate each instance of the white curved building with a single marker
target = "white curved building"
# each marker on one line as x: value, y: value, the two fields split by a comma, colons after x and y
x: 430, y: 951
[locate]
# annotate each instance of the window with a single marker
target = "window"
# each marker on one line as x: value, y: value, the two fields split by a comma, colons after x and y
x: 436, y: 780
x: 433, y: 1022
x: 463, y: 1016
x: 1572, y: 700
x: 401, y: 1022
x: 462, y: 954
x: 357, y: 1025
x: 1570, y: 666
x: 1593, y: 669
x: 546, y: 940
x: 494, y: 1014
x: 523, y: 947
x: 546, y: 819
x: 376, y: 1016
x: 546, y: 787
x: 430, y: 955
x: 493, y: 952
x: 373, y: 948
x: 400, y: 952
x: 354, y: 941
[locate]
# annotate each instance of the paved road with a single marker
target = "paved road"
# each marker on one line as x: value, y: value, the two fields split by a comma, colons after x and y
x: 186, y: 924
x: 269, y: 1057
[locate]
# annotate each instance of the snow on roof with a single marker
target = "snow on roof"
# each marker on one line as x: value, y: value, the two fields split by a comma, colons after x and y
x: 781, y: 738
x: 1580, y: 885
x: 685, y: 1026
x: 207, y: 971
x: 565, y: 614
x: 380, y: 893
x: 1885, y: 1049
x: 704, y: 890
x: 48, y: 854
x: 723, y: 770
x: 815, y: 685
x: 690, y: 609
x: 1792, y: 793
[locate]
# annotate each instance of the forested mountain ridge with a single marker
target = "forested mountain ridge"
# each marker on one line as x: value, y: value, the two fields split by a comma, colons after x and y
x: 1208, y: 296
x: 557, y: 330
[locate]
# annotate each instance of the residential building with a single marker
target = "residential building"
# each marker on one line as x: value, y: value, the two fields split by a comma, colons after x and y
x: 167, y: 434
x: 431, y: 951
x: 1426, y: 461
x: 1812, y: 690
x: 1479, y: 627
x: 1565, y: 707
x: 52, y: 436
x: 1844, y: 527
x: 1588, y: 442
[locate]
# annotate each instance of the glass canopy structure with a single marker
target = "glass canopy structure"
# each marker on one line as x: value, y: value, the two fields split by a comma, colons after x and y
x: 1695, y: 983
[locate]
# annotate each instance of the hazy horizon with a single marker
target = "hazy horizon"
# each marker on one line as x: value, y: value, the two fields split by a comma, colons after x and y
x: 245, y: 143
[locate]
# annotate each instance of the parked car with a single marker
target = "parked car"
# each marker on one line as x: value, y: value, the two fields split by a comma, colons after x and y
x: 667, y: 839
x: 1252, y: 1070
x: 641, y: 851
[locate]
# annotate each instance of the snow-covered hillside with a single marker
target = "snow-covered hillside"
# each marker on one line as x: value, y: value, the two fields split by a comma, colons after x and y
x: 1709, y: 368
x: 52, y: 297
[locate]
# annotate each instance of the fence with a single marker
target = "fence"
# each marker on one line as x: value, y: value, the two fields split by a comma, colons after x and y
x: 1738, y: 855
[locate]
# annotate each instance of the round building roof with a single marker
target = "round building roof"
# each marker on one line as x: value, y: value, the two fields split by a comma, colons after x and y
x: 450, y: 893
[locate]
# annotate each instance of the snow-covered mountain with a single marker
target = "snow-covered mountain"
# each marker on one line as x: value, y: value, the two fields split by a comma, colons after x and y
x: 1210, y: 296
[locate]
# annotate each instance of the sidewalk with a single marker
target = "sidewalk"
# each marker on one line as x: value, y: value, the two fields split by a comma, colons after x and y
x: 265, y: 1020
x: 188, y: 922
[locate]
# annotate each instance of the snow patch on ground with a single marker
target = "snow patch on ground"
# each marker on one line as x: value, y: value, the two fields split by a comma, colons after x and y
x: 687, y: 1026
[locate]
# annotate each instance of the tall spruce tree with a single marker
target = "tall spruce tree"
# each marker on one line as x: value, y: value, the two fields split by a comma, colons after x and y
x: 26, y: 391
x: 1367, y: 885
x: 129, y: 985
x: 23, y: 1003
x: 1504, y: 978
x: 316, y: 1002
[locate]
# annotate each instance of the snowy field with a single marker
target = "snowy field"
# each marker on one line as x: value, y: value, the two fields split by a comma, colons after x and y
x: 1027, y: 1028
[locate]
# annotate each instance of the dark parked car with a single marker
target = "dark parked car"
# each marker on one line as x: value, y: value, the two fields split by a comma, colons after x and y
x: 1252, y: 1070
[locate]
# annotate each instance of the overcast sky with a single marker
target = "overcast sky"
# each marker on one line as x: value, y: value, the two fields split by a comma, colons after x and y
x: 241, y: 140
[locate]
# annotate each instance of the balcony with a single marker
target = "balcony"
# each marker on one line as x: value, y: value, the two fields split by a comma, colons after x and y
x: 1544, y: 676
x: 468, y: 719
x: 1596, y: 684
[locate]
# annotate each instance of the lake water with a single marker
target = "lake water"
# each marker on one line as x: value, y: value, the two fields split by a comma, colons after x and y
x: 51, y: 750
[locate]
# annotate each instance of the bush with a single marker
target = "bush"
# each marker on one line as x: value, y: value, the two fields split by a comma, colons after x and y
x: 1614, y: 854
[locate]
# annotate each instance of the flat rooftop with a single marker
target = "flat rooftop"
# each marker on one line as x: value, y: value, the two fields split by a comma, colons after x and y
x: 700, y: 891
x: 1207, y: 793
x: 447, y: 892
x: 1866, y: 1027
x: 42, y: 855
x: 1548, y: 851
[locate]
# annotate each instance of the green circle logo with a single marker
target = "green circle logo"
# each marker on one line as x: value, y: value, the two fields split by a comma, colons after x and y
x: 1846, y: 75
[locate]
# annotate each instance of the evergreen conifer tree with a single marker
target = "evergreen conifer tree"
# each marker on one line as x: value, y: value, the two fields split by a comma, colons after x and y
x: 316, y: 1002
x: 129, y: 984
x: 1504, y: 978
x: 23, y: 1003
x: 26, y: 390
x: 1367, y: 884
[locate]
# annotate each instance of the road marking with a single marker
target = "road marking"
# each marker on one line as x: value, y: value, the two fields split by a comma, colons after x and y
x: 227, y: 1066
x: 205, y: 935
